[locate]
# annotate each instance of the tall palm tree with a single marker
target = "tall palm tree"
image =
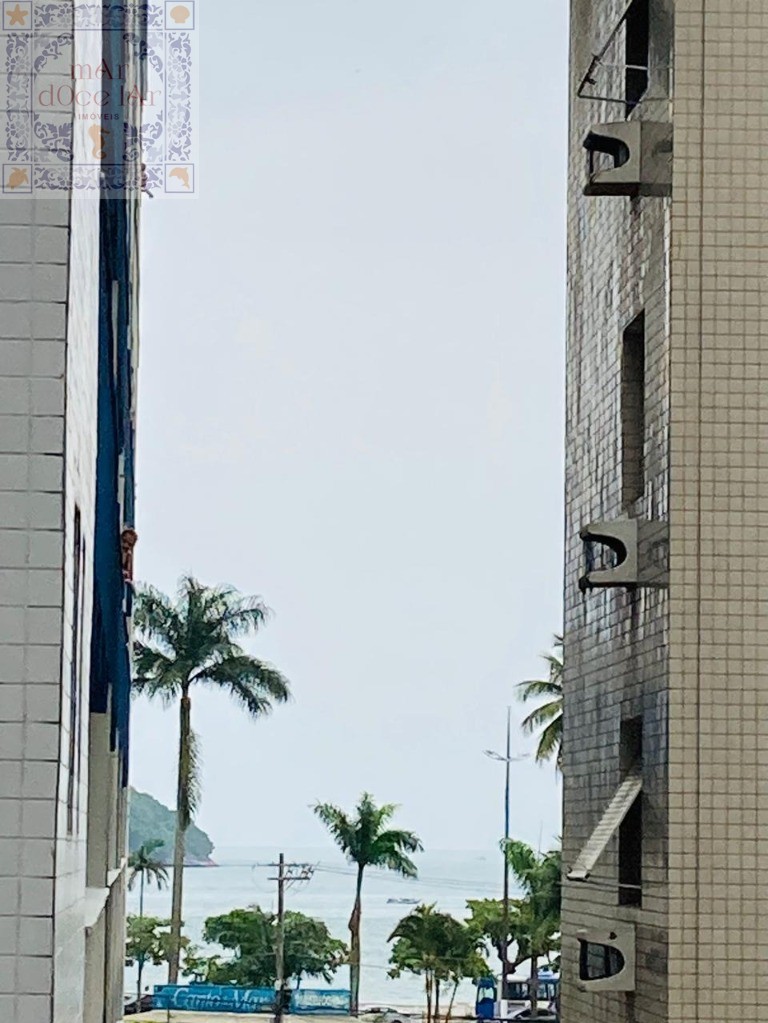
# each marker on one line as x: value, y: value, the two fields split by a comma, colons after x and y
x: 144, y: 865
x: 192, y: 641
x: 366, y: 841
x: 547, y: 719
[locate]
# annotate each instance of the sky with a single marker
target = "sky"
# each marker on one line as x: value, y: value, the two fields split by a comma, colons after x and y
x: 351, y: 404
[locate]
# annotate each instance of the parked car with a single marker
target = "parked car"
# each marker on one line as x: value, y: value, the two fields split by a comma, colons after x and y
x: 383, y: 1014
x: 143, y: 1004
x: 545, y: 1015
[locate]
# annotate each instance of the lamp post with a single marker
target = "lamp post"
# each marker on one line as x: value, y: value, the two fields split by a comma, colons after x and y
x: 507, y: 759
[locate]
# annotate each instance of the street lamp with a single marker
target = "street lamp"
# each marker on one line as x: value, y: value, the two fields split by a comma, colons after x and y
x: 506, y: 759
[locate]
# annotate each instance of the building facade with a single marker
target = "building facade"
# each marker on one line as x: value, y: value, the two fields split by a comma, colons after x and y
x: 68, y: 348
x: 666, y: 691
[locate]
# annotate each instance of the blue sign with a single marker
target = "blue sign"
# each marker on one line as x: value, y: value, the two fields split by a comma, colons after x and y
x: 210, y: 998
x: 308, y: 1001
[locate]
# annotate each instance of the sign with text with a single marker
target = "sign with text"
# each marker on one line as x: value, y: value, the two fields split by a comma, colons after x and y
x: 211, y: 998
x: 98, y: 95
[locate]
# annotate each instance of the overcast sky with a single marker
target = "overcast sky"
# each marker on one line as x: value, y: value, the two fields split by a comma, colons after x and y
x: 352, y: 404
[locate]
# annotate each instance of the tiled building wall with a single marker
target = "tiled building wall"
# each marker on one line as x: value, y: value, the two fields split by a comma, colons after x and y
x: 33, y: 278
x: 79, y: 500
x: 701, y: 261
x: 615, y: 640
x: 48, y: 346
x: 719, y: 507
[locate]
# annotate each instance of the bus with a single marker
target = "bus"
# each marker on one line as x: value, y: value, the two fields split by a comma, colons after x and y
x: 490, y: 1006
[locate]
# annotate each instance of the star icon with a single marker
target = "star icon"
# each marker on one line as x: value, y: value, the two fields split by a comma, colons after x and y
x: 16, y: 16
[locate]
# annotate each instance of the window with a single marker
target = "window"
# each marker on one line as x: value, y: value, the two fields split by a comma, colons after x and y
x: 633, y: 410
x: 631, y: 828
x: 637, y: 32
x: 75, y: 675
x: 597, y: 962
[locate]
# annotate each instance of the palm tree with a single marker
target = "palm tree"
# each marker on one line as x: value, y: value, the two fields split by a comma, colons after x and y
x: 143, y: 864
x: 536, y: 916
x: 189, y: 642
x: 440, y: 948
x: 547, y: 719
x: 366, y: 841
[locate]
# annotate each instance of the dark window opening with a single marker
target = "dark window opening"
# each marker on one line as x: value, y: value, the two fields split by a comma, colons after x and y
x: 631, y: 828
x: 75, y: 676
x: 604, y: 153
x: 633, y: 410
x: 598, y: 962
x: 638, y: 42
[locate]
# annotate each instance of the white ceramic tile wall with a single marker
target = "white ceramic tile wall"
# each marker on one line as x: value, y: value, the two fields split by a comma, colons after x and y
x: 49, y: 244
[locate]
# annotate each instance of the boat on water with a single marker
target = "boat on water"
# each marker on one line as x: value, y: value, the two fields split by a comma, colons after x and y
x: 403, y: 902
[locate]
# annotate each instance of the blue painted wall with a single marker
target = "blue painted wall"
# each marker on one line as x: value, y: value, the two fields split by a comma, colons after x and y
x: 110, y: 682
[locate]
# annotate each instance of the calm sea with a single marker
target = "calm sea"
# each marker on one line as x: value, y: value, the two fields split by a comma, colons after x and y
x: 242, y: 879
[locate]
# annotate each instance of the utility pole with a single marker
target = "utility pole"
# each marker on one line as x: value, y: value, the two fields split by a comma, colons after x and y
x: 280, y: 942
x: 505, y: 895
x: 287, y: 874
x: 507, y: 759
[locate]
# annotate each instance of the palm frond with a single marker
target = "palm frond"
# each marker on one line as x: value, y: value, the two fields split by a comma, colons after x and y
x: 522, y: 861
x: 244, y: 615
x: 143, y: 862
x: 156, y: 675
x: 155, y: 617
x: 256, y: 685
x: 364, y: 838
x: 542, y: 715
x: 535, y: 687
x: 341, y: 828
x: 388, y: 851
x: 548, y: 716
x: 551, y: 741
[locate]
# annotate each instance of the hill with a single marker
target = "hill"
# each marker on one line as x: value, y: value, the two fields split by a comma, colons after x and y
x: 149, y: 819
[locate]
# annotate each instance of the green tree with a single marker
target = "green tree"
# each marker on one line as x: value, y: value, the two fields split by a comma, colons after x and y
x: 439, y: 948
x: 535, y: 918
x: 192, y: 642
x: 487, y: 921
x: 148, y: 940
x: 366, y: 841
x: 145, y: 865
x: 546, y: 720
x: 251, y: 935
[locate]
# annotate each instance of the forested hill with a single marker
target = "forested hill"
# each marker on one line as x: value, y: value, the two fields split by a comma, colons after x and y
x: 148, y: 819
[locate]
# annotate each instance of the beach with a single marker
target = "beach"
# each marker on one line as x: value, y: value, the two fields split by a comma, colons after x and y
x: 447, y: 879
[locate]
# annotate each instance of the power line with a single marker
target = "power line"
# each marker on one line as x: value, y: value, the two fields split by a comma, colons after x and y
x: 288, y: 874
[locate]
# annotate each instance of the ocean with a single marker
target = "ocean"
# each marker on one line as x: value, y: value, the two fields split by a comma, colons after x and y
x: 241, y: 879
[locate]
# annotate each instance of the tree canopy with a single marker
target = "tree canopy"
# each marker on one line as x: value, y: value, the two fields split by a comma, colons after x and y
x: 148, y: 940
x: 147, y: 865
x: 438, y: 947
x: 546, y: 720
x: 250, y: 935
x: 367, y: 840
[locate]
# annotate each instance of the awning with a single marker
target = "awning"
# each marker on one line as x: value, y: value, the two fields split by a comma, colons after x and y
x: 618, y: 808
